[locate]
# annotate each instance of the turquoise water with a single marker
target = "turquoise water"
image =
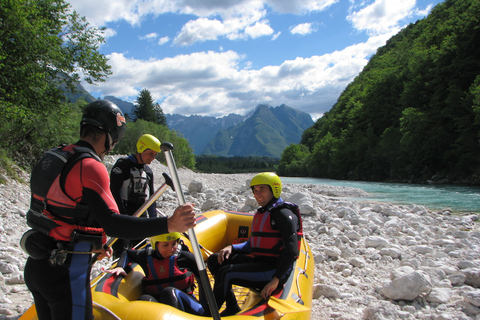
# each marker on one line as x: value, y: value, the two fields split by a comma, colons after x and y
x: 435, y: 197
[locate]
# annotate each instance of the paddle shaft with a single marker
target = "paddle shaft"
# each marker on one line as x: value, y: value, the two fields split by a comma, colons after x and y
x: 208, y: 252
x: 167, y: 148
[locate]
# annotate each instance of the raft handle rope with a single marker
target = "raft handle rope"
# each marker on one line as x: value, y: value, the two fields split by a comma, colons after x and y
x: 302, y: 271
x: 110, y: 312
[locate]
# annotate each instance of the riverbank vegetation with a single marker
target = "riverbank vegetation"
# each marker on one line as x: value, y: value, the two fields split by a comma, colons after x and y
x: 412, y: 114
x: 216, y: 164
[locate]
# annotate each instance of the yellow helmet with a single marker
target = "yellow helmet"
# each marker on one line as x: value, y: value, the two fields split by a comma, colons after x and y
x: 269, y: 178
x: 147, y: 141
x: 164, y: 237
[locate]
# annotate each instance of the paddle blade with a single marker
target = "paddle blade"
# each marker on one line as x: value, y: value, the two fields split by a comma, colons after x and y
x: 30, y: 314
x: 285, y: 306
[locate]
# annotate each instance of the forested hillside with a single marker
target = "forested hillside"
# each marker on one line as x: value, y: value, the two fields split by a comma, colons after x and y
x: 412, y: 114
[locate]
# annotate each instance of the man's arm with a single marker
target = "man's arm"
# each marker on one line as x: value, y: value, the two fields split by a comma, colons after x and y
x: 287, y: 223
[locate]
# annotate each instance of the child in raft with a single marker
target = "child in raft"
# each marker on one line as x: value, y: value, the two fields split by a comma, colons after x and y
x: 170, y: 271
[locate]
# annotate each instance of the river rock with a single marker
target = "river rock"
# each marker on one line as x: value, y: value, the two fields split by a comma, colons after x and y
x: 371, y: 248
x: 408, y: 287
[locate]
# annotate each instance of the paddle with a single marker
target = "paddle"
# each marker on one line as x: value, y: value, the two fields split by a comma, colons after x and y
x: 167, y: 148
x: 285, y: 306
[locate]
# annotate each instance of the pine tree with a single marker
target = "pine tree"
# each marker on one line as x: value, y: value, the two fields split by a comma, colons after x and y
x: 148, y: 110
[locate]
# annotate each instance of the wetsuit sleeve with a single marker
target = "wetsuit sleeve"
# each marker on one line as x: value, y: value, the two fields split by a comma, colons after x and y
x: 123, y: 260
x: 152, y: 210
x: 186, y: 260
x: 95, y: 192
x: 287, y: 223
x: 243, y: 247
x: 119, y: 173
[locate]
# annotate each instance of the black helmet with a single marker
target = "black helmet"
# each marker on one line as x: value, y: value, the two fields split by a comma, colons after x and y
x: 107, y: 116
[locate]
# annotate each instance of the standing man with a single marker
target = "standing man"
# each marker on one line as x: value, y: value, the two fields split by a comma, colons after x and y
x: 131, y: 183
x: 265, y: 260
x: 72, y: 211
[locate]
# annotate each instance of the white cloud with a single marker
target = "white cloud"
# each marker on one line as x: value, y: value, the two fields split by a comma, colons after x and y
x: 212, y: 83
x: 109, y: 32
x: 150, y: 37
x: 107, y: 11
x: 199, y: 30
x: 233, y: 19
x: 259, y: 29
x: 382, y: 16
x: 300, y: 6
x: 303, y: 29
x: 163, y: 40
x: 276, y: 35
x: 424, y: 13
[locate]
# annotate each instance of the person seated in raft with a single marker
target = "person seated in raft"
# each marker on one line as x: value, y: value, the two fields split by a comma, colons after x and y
x: 265, y: 261
x: 170, y: 271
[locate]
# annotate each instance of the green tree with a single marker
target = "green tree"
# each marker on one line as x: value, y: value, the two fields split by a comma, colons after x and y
x: 146, y: 109
x: 182, y: 152
x: 292, y: 161
x: 43, y: 46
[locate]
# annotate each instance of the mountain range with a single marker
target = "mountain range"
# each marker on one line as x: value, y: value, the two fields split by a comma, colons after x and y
x: 267, y: 131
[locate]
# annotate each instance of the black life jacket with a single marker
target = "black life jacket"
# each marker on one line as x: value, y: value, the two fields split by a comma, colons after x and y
x: 266, y: 241
x: 164, y: 273
x: 136, y: 188
x: 52, y: 212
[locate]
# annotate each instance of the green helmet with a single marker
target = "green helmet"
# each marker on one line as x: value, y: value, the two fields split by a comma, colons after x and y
x: 106, y: 116
x: 147, y: 141
x: 269, y: 178
x: 164, y: 237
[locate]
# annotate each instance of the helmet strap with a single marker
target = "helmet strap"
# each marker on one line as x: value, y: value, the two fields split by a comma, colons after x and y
x: 141, y: 158
x: 109, y: 144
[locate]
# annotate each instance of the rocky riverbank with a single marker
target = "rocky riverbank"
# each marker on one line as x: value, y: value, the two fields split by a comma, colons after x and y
x: 373, y: 260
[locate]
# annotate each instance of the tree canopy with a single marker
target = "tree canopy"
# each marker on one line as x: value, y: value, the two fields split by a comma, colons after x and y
x: 45, y: 50
x: 147, y: 109
x: 43, y: 46
x: 412, y: 114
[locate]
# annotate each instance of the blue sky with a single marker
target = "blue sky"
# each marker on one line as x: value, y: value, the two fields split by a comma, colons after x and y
x: 215, y: 57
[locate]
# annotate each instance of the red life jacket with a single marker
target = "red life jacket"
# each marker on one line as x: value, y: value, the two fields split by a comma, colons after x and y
x: 267, y: 241
x: 52, y: 211
x: 164, y: 273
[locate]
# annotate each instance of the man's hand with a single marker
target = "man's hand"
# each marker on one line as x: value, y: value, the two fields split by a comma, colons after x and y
x: 269, y: 288
x: 183, y: 218
x: 224, y: 254
x: 102, y: 253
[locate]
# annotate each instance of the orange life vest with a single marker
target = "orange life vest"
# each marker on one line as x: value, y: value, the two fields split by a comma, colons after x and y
x: 52, y: 211
x: 267, y: 241
x: 164, y: 273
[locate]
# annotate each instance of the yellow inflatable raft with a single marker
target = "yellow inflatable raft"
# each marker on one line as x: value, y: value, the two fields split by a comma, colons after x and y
x: 116, y: 297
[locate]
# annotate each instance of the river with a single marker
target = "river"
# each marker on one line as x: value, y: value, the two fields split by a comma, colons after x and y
x: 435, y: 197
